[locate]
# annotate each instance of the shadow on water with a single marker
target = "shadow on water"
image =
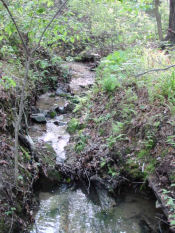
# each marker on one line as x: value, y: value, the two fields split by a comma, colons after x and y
x: 68, y: 210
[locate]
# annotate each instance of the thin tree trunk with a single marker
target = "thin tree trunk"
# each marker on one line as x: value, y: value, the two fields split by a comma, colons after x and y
x: 19, y: 116
x: 171, y: 29
x: 158, y: 19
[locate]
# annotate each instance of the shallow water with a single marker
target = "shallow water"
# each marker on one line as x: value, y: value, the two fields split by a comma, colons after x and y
x: 51, y: 133
x: 82, y: 77
x: 67, y: 211
x: 57, y: 136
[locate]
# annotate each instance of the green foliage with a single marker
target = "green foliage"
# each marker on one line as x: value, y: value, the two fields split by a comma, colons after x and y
x: 25, y: 154
x: 7, y: 82
x: 170, y: 203
x: 117, y: 127
x: 168, y: 88
x: 43, y: 64
x: 103, y: 162
x: 53, y: 114
x: 150, y: 142
x: 102, y: 118
x: 82, y: 101
x: 74, y: 125
x: 133, y: 169
x: 111, y: 69
x: 110, y: 83
x: 82, y: 141
x: 171, y: 140
x: 150, y: 167
x: 172, y: 178
x: 111, y: 140
x: 111, y: 171
x: 10, y: 211
x: 143, y: 154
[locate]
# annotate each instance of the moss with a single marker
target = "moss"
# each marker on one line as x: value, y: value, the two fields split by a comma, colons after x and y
x: 133, y: 170
x: 143, y: 153
x: 54, y: 175
x: 52, y: 114
x: 19, y: 209
x: 49, y: 155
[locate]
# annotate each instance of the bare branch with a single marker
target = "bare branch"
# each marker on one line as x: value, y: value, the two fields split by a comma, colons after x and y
x: 17, y: 28
x: 48, y: 25
x: 19, y: 117
x: 154, y: 70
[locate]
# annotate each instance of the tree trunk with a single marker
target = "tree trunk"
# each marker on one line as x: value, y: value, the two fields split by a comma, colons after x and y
x: 19, y: 116
x: 158, y: 19
x: 171, y: 29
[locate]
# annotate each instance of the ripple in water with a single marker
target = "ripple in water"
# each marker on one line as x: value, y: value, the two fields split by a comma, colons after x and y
x: 66, y: 211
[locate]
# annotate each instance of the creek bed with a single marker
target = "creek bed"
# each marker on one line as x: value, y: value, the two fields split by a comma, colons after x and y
x: 64, y: 210
x: 74, y: 211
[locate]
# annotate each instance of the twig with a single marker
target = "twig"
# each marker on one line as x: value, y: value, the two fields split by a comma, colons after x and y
x: 26, y: 122
x: 19, y: 117
x: 11, y: 224
x: 138, y: 182
x: 160, y: 229
x: 162, y: 220
x: 88, y: 181
x: 48, y: 25
x: 154, y: 70
x: 19, y: 33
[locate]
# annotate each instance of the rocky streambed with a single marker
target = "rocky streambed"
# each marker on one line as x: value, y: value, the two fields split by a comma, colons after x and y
x: 76, y: 206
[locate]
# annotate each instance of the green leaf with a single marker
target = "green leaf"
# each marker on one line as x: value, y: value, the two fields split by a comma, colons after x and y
x: 41, y: 10
x: 172, y: 222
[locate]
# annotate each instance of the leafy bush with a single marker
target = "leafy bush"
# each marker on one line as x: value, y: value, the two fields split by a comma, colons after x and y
x: 80, y: 145
x: 7, y: 82
x: 74, y: 125
x: 110, y: 83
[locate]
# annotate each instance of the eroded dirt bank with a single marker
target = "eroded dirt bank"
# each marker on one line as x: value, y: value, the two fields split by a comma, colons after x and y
x: 16, y: 202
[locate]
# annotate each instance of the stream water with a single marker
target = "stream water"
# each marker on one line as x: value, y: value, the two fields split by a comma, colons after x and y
x: 67, y: 211
x: 74, y: 211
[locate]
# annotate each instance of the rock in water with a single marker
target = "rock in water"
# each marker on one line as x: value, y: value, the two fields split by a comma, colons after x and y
x: 59, y: 123
x: 39, y: 118
x: 61, y: 110
x: 60, y: 92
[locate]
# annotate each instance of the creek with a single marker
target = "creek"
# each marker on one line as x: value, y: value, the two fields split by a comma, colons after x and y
x: 75, y: 210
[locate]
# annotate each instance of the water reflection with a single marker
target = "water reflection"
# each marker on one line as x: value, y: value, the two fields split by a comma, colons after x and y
x: 66, y: 211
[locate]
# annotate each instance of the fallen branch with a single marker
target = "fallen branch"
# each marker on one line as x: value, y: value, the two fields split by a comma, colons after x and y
x: 154, y: 70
